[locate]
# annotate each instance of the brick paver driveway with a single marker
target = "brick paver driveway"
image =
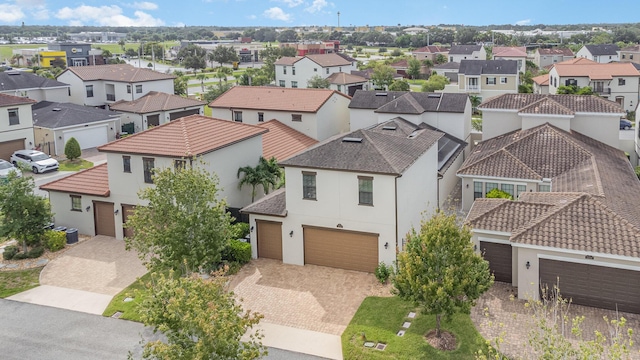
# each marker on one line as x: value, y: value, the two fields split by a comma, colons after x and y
x: 309, y: 297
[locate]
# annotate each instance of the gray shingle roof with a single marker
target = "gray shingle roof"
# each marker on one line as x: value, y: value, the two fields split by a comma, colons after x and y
x: 447, y: 66
x: 52, y: 115
x: 464, y: 49
x: 603, y: 49
x: 405, y: 102
x: 490, y: 67
x: 273, y: 204
x: 19, y: 80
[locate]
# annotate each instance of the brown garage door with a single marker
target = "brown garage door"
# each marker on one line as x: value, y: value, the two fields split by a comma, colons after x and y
x: 8, y: 147
x: 269, y: 239
x: 180, y: 114
x: 499, y: 258
x: 592, y: 285
x: 104, y: 218
x: 126, y: 211
x: 341, y: 249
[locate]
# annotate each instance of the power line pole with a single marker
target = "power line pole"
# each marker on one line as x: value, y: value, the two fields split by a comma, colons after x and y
x: 338, y: 18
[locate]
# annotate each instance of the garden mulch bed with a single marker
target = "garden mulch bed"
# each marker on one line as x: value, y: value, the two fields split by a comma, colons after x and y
x: 13, y: 265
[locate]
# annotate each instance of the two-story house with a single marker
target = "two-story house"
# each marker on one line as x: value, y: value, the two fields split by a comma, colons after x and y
x: 457, y: 53
x: 16, y: 125
x: 603, y: 53
x: 317, y: 113
x: 544, y: 57
x: 630, y: 54
x: 295, y: 72
x: 105, y: 84
x: 348, y: 83
x: 430, y: 52
x: 32, y: 86
x: 517, y: 53
x: 486, y: 78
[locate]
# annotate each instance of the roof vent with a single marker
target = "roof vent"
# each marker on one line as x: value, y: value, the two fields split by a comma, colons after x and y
x: 414, y: 134
x: 434, y: 95
x: 352, y: 139
x: 56, y: 109
x: 381, y: 94
x: 389, y: 127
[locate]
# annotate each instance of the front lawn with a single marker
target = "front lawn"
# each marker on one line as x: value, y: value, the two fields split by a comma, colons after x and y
x: 129, y: 309
x: 380, y: 318
x: 13, y: 282
x: 75, y: 165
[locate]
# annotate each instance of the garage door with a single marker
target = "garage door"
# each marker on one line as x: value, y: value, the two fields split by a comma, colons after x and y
x: 126, y: 211
x: 341, y: 249
x: 499, y: 257
x: 179, y: 114
x: 592, y: 285
x: 269, y: 239
x: 88, y: 137
x: 104, y: 218
x: 8, y: 147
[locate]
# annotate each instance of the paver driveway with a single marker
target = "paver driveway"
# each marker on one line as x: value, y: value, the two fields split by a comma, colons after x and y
x: 309, y: 297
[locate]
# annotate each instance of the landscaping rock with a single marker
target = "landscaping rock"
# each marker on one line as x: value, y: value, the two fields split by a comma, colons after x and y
x: 128, y: 299
x: 411, y: 315
x: 369, y: 344
x: 406, y: 324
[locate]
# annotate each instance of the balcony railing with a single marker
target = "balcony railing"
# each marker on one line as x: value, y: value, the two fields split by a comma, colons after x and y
x: 602, y: 90
x: 475, y: 88
x: 111, y: 97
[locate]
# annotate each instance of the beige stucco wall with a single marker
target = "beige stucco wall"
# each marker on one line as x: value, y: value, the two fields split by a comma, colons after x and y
x: 64, y: 216
x: 467, y: 187
x: 23, y: 130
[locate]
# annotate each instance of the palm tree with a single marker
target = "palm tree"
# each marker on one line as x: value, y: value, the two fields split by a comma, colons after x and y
x: 267, y: 173
x: 275, y: 172
x: 222, y: 73
x: 202, y: 77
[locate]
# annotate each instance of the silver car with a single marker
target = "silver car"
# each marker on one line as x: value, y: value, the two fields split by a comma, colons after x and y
x: 35, y: 160
x: 7, y: 168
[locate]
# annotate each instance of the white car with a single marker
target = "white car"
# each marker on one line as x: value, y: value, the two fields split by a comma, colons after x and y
x: 7, y: 168
x: 37, y: 161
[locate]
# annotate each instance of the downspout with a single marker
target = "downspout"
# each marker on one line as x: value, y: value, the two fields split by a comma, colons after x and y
x: 399, y: 245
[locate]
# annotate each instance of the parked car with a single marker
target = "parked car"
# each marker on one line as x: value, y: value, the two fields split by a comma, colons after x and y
x: 37, y: 161
x: 625, y: 124
x: 7, y: 168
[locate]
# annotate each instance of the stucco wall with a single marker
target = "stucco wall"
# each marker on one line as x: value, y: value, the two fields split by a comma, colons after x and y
x: 333, y: 117
x: 495, y: 123
x: 64, y: 216
x: 449, y: 182
x: 361, y: 118
x: 531, y: 120
x: 602, y: 127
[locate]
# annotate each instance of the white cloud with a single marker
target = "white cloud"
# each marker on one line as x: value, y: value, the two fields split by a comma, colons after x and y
x: 523, y: 22
x: 291, y: 3
x: 14, y: 12
x: 275, y: 13
x: 106, y: 16
x: 317, y: 6
x: 252, y: 17
x: 145, y: 5
x: 11, y: 13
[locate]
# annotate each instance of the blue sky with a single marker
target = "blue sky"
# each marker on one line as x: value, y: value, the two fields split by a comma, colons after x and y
x: 314, y: 12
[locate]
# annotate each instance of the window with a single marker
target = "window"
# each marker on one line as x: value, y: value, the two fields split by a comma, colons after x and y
x: 623, y: 56
x: 293, y: 70
x: 508, y: 188
x: 296, y: 117
x: 69, y: 91
x: 294, y: 84
x: 126, y: 164
x: 503, y: 80
x: 76, y: 202
x: 365, y: 190
x: 450, y: 58
x: 284, y: 70
x: 490, y: 186
x: 89, y: 90
x: 237, y: 116
x: 340, y: 69
x: 147, y: 164
x: 477, y: 190
x: 260, y: 117
x: 282, y: 83
x: 309, y: 185
x: 327, y: 70
x: 128, y: 89
x: 544, y: 188
x: 14, y: 118
x: 315, y: 69
x: 180, y: 164
x: 630, y: 56
x: 491, y: 81
x: 569, y: 82
x: 340, y: 88
x: 520, y: 189
x: 138, y: 89
x: 621, y: 81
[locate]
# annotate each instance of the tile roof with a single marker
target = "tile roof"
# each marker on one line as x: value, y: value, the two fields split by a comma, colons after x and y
x: 387, y: 148
x: 52, y: 115
x: 273, y: 204
x: 282, y: 141
x: 327, y: 60
x: 504, y: 215
x: 433, y: 49
x: 546, y: 106
x: 117, y: 72
x: 10, y: 100
x: 287, y: 60
x: 556, y: 51
x: 403, y: 63
x: 464, y: 49
x: 366, y: 73
x: 596, y: 71
x: 274, y: 98
x: 633, y: 48
x: 155, y: 101
x: 510, y: 51
x: 479, y: 67
x: 19, y: 80
x: 576, y: 103
x: 542, y: 80
x: 341, y: 78
x: 93, y: 181
x: 603, y: 49
x: 407, y: 102
x: 187, y: 136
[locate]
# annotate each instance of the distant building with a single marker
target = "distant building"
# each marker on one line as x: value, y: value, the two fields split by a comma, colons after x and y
x: 78, y: 54
x: 98, y: 36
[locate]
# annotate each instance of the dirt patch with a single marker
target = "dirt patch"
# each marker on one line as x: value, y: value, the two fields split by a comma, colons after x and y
x: 446, y: 341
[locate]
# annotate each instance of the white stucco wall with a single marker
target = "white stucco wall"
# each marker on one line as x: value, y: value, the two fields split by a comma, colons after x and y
x: 333, y: 117
x: 305, y: 69
x: 64, y: 216
x: 54, y: 94
x: 361, y: 118
x: 23, y: 130
x: 532, y: 120
x: 449, y: 181
x: 498, y: 122
x: 599, y: 126
x: 113, y: 126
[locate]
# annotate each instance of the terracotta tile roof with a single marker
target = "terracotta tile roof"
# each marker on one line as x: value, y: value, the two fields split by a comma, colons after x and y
x: 634, y: 48
x: 341, y: 78
x: 188, y: 136
x: 93, y: 181
x: 287, y: 60
x: 506, y: 215
x: 282, y: 141
x: 155, y: 101
x: 117, y: 72
x: 327, y: 60
x: 556, y: 51
x: 273, y: 204
x: 509, y: 51
x: 10, y: 100
x: 433, y: 49
x: 576, y: 61
x: 596, y: 71
x: 403, y: 64
x: 274, y: 98
x: 576, y: 103
x: 542, y: 80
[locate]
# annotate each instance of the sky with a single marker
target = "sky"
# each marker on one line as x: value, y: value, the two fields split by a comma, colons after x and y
x: 282, y: 13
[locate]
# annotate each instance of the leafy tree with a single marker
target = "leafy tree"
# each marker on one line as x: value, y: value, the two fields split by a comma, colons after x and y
x: 131, y: 53
x: 180, y: 83
x: 287, y: 36
x: 223, y: 54
x: 435, y: 82
x: 413, y: 68
x: 439, y: 270
x: 267, y: 174
x: 200, y: 319
x: 72, y: 149
x: 106, y: 55
x: 637, y: 170
x: 318, y: 82
x: 288, y: 51
x: 216, y: 90
x: 475, y: 102
x: 24, y: 214
x: 121, y: 43
x: 382, y: 76
x: 185, y: 226
x: 525, y: 89
x: 222, y: 72
x: 428, y: 63
x: 575, y: 90
x: 253, y: 77
x: 441, y: 59
x: 399, y: 85
x: 193, y: 57
x: 498, y: 194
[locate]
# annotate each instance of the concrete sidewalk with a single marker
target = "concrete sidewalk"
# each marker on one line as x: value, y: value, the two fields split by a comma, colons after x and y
x: 70, y: 299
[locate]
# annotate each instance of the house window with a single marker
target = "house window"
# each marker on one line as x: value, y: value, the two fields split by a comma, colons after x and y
x: 520, y: 189
x: 147, y: 164
x: 282, y: 83
x: 490, y: 186
x: 327, y: 70
x: 544, y: 188
x: 621, y: 82
x: 76, y: 202
x: 128, y: 89
x: 284, y: 70
x: 179, y: 164
x: 309, y: 185
x: 623, y: 56
x: 126, y: 164
x: 138, y: 89
x: 340, y: 88
x: 260, y: 117
x: 630, y: 56
x: 340, y: 69
x: 491, y: 81
x: 573, y: 82
x: 508, y: 188
x: 315, y: 69
x: 237, y: 116
x: 14, y: 118
x: 365, y: 190
x: 450, y: 58
x: 294, y: 84
x: 89, y: 90
x: 503, y: 80
x: 293, y: 70
x: 477, y: 190
x: 296, y: 117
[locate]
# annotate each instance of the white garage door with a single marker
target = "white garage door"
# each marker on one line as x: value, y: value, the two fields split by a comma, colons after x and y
x: 88, y: 137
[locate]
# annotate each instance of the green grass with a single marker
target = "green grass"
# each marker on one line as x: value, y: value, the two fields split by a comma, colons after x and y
x: 6, y: 50
x: 207, y: 111
x: 380, y: 318
x: 13, y: 282
x: 75, y: 165
x: 129, y: 310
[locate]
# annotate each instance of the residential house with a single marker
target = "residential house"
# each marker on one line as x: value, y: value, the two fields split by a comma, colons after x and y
x: 350, y: 200
x: 575, y: 219
x: 314, y: 47
x: 281, y: 141
x: 16, y: 124
x: 153, y: 109
x: 430, y: 52
x: 619, y: 82
x: 32, y: 86
x: 106, y: 84
x: 549, y: 56
x: 55, y: 123
x: 448, y: 69
x: 347, y: 83
x: 603, y: 53
x: 517, y: 53
x: 541, y: 84
x: 630, y: 54
x: 317, y: 113
x: 97, y: 201
x: 295, y: 72
x: 486, y: 78
x: 457, y: 53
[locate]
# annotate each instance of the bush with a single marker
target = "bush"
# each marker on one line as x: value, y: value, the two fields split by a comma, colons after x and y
x: 54, y: 240
x: 382, y: 50
x: 36, y: 252
x: 20, y: 256
x: 638, y: 172
x: 237, y: 251
x: 10, y: 252
x: 498, y: 194
x: 383, y: 272
x: 72, y: 149
x: 239, y: 230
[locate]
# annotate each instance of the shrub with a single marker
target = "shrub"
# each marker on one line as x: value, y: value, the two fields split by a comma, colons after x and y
x: 239, y: 230
x: 10, y: 252
x: 54, y: 240
x: 498, y: 194
x: 382, y: 50
x: 20, y: 256
x: 383, y: 271
x: 36, y: 252
x: 638, y: 172
x: 237, y: 251
x: 72, y: 149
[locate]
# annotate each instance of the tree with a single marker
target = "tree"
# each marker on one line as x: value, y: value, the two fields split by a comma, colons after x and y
x: 185, y: 226
x: 435, y: 82
x: 498, y: 194
x: 440, y: 59
x: 267, y: 174
x: 574, y: 90
x: 121, y: 43
x: 216, y: 90
x: 413, y: 68
x: 200, y: 319
x: 223, y: 54
x: 24, y: 214
x: 72, y: 149
x: 222, y: 72
x: 439, y: 270
x: 180, y: 83
x: 192, y: 57
x: 382, y: 76
x: 202, y: 77
x: 399, y: 85
x: 318, y: 82
x: 106, y: 55
x: 287, y: 36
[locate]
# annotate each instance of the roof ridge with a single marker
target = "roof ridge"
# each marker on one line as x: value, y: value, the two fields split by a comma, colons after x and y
x: 537, y: 221
x: 375, y: 146
x: 527, y: 167
x: 79, y: 172
x: 502, y: 202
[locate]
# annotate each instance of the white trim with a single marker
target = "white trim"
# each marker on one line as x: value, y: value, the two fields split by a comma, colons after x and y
x: 546, y: 115
x: 496, y: 241
x: 588, y: 262
x: 499, y: 110
x: 576, y: 252
x: 491, y: 232
x: 83, y: 125
x: 601, y: 113
x: 511, y: 181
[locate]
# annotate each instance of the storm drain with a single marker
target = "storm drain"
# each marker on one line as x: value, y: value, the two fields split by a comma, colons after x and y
x: 381, y: 346
x: 117, y: 315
